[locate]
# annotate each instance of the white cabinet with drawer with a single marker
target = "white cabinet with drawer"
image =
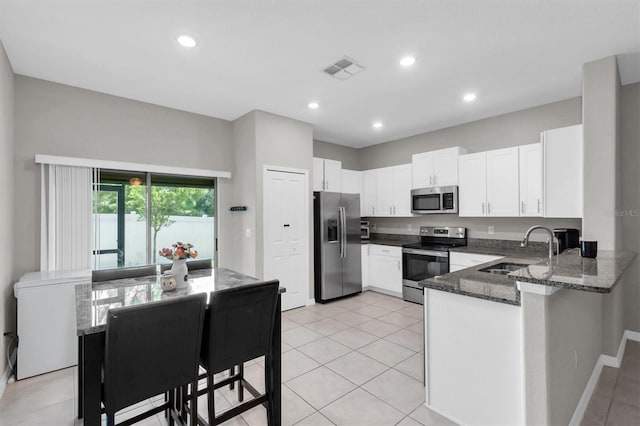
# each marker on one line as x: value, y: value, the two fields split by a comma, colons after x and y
x: 386, y: 268
x: 458, y: 261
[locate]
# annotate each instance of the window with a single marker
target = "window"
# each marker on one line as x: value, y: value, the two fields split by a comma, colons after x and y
x: 137, y: 214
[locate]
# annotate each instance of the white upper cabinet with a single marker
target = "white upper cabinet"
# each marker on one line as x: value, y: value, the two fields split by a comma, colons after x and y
x: 318, y: 174
x: 351, y: 181
x: 369, y: 192
x: 327, y: 175
x: 503, y: 197
x: 562, y: 174
x: 352, y: 184
x: 489, y: 183
x: 436, y: 168
x: 387, y: 191
x: 402, y: 190
x: 384, y: 192
x: 530, y: 179
x: 472, y: 193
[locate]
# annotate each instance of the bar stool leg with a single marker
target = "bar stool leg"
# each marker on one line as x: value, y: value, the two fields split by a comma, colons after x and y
x: 210, y: 396
x: 232, y: 371
x: 240, y: 386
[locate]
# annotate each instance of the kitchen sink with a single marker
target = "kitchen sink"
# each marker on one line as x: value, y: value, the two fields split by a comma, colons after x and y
x: 503, y: 268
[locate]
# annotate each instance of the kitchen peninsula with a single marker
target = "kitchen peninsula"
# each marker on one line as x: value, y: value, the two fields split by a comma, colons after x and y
x: 518, y: 348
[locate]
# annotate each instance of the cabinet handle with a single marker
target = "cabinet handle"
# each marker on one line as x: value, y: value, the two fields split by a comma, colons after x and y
x: 483, y: 209
x: 373, y: 210
x: 327, y: 183
x: 394, y: 210
x: 390, y: 210
x: 488, y: 208
x: 430, y: 179
x: 538, y: 205
x: 522, y: 207
x: 399, y: 266
x: 435, y: 179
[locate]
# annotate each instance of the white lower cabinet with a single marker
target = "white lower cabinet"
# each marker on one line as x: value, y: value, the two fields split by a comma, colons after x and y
x: 365, y: 266
x: 458, y: 261
x: 385, y: 268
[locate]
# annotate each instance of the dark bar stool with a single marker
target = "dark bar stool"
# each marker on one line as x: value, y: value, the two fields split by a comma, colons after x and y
x: 149, y: 350
x: 192, y: 265
x: 238, y: 327
x: 118, y: 273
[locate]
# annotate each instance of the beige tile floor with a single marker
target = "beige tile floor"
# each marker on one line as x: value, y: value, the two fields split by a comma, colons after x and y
x: 357, y: 361
x: 616, y: 399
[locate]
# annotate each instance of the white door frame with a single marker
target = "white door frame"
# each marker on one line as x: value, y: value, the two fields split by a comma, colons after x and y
x: 305, y: 222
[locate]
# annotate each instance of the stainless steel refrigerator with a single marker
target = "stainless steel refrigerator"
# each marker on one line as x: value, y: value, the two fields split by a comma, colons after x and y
x: 337, y: 253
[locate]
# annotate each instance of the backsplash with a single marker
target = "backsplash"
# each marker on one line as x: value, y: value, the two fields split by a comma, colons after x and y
x: 505, y: 228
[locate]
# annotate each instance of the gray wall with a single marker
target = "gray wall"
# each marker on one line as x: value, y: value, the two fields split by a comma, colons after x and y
x: 350, y: 157
x: 283, y: 142
x: 62, y: 120
x: 7, y: 273
x: 516, y: 128
x: 630, y: 132
x: 600, y: 91
x: 242, y: 257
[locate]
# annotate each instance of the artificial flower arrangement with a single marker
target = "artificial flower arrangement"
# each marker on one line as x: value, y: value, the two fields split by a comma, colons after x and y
x: 180, y: 250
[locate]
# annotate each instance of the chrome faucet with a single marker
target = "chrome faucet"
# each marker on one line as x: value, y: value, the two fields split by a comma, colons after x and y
x: 525, y: 240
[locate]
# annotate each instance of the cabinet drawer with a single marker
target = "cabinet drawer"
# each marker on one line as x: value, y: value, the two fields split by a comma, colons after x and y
x: 375, y: 249
x: 470, y: 259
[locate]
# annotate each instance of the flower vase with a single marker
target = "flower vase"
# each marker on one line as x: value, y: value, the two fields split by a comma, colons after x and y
x: 179, y: 269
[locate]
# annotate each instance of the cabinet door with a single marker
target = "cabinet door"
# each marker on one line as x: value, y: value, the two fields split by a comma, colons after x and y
x: 445, y: 166
x: 530, y: 179
x: 422, y: 170
x: 401, y: 192
x: 318, y: 174
x: 369, y: 192
x: 365, y: 266
x: 386, y: 273
x: 562, y: 176
x: 503, y: 198
x: 351, y: 181
x: 333, y: 176
x: 472, y: 190
x: 384, y: 191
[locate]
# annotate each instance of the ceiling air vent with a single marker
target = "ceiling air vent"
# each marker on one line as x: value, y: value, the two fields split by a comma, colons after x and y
x: 343, y: 68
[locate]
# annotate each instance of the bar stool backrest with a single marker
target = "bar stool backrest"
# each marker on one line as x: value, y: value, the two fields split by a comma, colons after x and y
x: 192, y: 265
x: 238, y: 325
x: 151, y: 349
x: 119, y: 273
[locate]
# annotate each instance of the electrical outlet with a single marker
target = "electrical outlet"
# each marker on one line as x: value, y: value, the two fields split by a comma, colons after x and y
x: 491, y: 230
x: 248, y: 232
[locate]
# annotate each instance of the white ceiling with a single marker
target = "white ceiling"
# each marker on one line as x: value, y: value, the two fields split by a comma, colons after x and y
x: 268, y: 55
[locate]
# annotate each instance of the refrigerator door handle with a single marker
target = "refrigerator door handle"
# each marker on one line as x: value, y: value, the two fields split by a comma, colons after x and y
x: 343, y: 231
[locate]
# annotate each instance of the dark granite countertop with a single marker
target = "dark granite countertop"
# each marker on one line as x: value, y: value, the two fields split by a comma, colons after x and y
x: 570, y: 270
x: 94, y: 300
x: 475, y: 283
x: 397, y: 240
x: 508, y: 248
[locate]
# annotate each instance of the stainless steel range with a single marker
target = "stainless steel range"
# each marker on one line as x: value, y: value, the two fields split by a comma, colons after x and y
x: 428, y: 258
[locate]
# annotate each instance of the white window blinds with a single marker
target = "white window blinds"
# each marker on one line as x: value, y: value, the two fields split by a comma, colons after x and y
x: 66, y: 214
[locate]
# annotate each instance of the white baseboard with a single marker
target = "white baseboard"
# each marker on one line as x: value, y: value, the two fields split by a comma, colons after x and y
x: 603, y: 360
x: 435, y: 410
x: 383, y: 291
x: 7, y: 372
x: 311, y: 302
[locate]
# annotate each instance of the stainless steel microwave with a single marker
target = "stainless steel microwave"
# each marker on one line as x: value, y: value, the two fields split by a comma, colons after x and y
x: 439, y: 199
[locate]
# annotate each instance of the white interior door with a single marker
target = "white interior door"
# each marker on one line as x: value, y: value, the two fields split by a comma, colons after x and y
x: 286, y: 234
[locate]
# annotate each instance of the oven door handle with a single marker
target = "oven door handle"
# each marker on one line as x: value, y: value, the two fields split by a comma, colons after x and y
x: 426, y: 252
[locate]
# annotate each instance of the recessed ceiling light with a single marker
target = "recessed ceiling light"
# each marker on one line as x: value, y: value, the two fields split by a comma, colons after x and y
x: 407, y: 61
x: 186, y: 41
x: 313, y: 105
x: 469, y: 97
x: 377, y: 125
